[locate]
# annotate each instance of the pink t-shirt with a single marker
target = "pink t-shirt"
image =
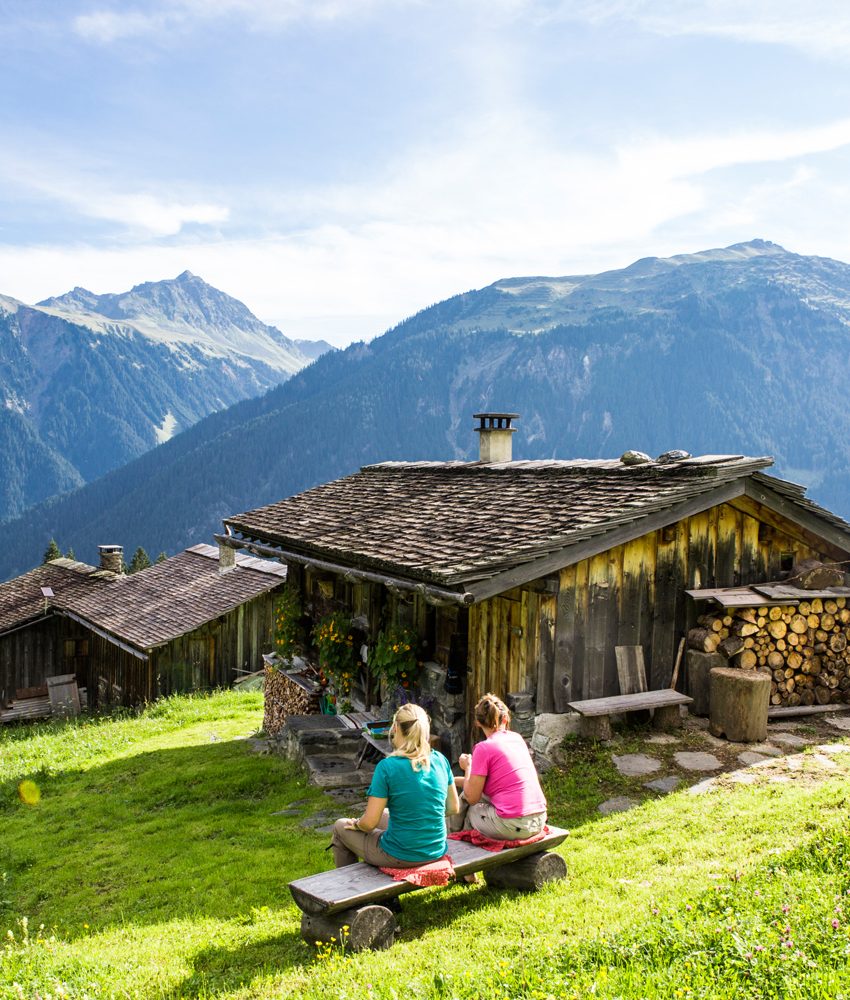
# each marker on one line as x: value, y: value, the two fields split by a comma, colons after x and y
x: 512, y: 784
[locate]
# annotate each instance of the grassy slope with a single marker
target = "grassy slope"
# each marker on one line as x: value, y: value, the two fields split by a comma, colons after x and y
x: 157, y: 868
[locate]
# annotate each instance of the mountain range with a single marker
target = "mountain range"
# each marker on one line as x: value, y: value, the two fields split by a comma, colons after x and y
x: 741, y: 350
x: 89, y: 382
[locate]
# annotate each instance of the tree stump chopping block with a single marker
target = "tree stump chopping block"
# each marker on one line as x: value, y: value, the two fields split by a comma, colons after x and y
x: 530, y: 872
x: 369, y: 928
x: 739, y: 703
x: 698, y: 667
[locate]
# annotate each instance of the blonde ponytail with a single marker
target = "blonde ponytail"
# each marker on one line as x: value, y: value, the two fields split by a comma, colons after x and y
x: 414, y: 739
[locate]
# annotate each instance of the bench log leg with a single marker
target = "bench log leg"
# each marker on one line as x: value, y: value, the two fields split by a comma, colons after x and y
x: 596, y: 727
x: 666, y: 717
x: 369, y: 928
x: 530, y: 872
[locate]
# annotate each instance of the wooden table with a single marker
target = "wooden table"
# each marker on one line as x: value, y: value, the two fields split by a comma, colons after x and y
x: 383, y: 746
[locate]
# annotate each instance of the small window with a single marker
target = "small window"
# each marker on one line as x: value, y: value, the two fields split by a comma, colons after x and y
x: 786, y: 561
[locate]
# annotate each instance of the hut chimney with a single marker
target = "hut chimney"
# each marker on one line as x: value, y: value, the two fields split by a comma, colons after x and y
x: 495, y: 443
x: 226, y: 558
x: 112, y: 558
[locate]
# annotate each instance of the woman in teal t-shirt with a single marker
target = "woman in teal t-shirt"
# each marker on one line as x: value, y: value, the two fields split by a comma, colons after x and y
x: 412, y: 791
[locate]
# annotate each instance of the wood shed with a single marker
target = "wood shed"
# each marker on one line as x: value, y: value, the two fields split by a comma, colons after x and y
x: 187, y: 623
x: 525, y: 575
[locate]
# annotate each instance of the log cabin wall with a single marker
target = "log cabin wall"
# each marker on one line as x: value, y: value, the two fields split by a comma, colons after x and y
x: 209, y: 656
x: 28, y: 656
x: 634, y: 594
x: 511, y: 640
x: 114, y: 676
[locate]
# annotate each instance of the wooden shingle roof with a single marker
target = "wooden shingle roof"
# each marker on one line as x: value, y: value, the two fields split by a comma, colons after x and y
x: 21, y: 599
x: 145, y: 609
x: 174, y: 597
x: 453, y: 523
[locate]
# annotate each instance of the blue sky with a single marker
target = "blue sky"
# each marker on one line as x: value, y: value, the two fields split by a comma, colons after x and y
x: 339, y: 164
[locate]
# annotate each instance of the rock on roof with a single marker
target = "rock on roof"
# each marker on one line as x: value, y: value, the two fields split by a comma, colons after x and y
x: 148, y: 608
x: 449, y: 522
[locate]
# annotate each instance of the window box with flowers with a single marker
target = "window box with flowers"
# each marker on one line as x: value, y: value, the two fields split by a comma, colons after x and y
x: 394, y: 661
x: 335, y: 646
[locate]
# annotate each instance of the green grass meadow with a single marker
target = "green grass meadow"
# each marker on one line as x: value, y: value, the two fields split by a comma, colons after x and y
x: 153, y: 866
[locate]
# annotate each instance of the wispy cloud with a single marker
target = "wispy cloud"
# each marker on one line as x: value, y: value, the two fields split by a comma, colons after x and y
x: 105, y: 25
x: 820, y: 27
x: 89, y: 192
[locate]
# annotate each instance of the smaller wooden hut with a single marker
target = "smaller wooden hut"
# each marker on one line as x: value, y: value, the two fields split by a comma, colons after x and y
x: 187, y: 623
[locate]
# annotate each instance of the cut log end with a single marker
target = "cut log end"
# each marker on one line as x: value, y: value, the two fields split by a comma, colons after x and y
x: 528, y: 873
x: 369, y: 928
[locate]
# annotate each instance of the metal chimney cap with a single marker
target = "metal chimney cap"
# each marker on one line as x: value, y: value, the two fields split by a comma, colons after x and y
x: 495, y: 421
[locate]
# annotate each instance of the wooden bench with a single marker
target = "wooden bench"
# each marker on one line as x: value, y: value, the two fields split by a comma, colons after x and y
x: 352, y: 896
x: 596, y: 712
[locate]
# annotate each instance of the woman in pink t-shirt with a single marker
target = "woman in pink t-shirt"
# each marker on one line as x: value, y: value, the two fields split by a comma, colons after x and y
x: 500, y: 787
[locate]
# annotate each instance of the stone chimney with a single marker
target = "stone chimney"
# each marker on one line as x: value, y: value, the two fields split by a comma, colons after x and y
x: 495, y: 444
x: 112, y: 558
x: 226, y: 558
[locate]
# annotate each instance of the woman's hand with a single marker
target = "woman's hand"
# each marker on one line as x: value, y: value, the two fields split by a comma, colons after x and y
x: 371, y: 816
x: 465, y: 761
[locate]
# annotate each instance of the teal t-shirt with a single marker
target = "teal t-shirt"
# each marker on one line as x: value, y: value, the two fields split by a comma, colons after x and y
x: 417, y: 804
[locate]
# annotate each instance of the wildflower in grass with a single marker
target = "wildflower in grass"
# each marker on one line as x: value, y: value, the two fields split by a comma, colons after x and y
x: 835, y: 924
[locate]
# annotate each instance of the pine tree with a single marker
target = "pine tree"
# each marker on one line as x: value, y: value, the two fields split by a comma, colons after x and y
x: 52, y: 551
x: 70, y: 555
x: 161, y: 557
x: 140, y: 560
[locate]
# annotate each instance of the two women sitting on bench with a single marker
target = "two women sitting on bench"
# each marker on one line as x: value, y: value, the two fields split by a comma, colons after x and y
x: 412, y: 791
x: 501, y: 795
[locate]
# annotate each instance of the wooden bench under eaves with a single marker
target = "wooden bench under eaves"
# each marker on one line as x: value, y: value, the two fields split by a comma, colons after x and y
x: 596, y: 712
x: 353, y: 897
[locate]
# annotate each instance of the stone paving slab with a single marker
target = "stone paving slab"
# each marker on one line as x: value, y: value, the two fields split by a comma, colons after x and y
x: 668, y: 784
x: 634, y: 765
x: 766, y: 749
x: 706, y: 785
x: 697, y: 761
x: 840, y: 722
x: 318, y: 819
x: 663, y: 739
x: 620, y: 803
x: 788, y: 739
x: 749, y: 757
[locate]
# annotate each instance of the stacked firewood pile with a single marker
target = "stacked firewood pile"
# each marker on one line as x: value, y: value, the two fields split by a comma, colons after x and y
x: 284, y: 697
x: 805, y: 647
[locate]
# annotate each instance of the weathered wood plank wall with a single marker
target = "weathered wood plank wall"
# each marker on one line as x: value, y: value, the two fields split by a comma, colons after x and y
x: 200, y: 660
x: 28, y: 656
x: 511, y: 641
x: 634, y: 594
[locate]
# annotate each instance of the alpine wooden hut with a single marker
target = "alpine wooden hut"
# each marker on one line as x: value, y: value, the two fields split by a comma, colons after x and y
x: 186, y: 623
x: 525, y: 575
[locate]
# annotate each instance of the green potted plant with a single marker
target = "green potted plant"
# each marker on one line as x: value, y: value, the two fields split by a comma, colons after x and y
x: 394, y: 660
x: 335, y: 645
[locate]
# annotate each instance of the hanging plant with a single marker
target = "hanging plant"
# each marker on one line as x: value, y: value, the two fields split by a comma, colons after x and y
x: 394, y: 657
x: 287, y: 616
x: 335, y: 645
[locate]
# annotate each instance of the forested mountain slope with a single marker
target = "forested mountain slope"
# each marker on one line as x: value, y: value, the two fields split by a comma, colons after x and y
x: 742, y: 350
